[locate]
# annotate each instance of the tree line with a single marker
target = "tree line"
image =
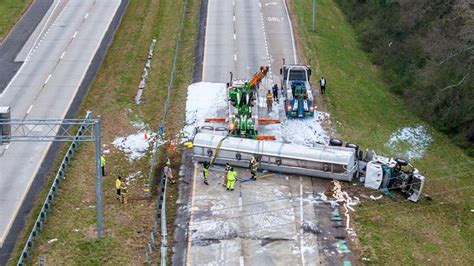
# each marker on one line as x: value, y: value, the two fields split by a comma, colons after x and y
x: 426, y: 51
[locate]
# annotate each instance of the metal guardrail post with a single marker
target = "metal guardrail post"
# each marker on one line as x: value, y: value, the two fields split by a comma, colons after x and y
x: 164, y: 229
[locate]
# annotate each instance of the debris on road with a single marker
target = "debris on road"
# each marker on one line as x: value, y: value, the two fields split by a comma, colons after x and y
x: 372, y: 197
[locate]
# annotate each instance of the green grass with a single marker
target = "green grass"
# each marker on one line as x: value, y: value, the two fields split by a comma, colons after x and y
x: 439, y: 232
x: 10, y: 12
x: 128, y: 227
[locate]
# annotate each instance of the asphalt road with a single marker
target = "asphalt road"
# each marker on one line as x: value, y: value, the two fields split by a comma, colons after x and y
x: 278, y: 219
x: 57, y: 59
x: 17, y: 38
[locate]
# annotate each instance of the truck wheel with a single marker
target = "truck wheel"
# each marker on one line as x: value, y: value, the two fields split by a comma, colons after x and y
x: 335, y: 142
x: 401, y: 162
x: 352, y: 145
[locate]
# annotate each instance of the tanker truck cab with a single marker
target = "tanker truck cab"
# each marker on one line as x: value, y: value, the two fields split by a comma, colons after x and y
x: 297, y: 90
x: 382, y: 173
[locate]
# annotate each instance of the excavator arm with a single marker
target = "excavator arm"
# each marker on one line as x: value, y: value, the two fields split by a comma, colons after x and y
x: 257, y: 78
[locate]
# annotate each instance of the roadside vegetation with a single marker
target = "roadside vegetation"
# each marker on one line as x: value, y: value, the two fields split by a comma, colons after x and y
x: 425, y: 51
x: 127, y: 226
x: 10, y: 13
x: 365, y: 111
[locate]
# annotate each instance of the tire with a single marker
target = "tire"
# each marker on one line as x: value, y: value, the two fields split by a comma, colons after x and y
x: 335, y: 142
x: 401, y: 162
x: 352, y: 145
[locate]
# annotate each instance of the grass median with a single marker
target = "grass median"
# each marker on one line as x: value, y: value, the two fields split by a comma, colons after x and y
x: 363, y: 110
x: 127, y: 226
x: 10, y: 13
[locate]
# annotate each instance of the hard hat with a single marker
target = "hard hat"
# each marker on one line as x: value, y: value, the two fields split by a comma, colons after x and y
x: 168, y: 163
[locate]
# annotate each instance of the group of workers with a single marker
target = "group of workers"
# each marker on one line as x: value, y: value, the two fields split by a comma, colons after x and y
x: 230, y: 174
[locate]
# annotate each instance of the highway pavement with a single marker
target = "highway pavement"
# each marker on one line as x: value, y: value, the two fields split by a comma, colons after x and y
x: 56, y: 59
x: 276, y: 219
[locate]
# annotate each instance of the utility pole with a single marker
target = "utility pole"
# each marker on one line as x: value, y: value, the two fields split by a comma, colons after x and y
x: 314, y: 15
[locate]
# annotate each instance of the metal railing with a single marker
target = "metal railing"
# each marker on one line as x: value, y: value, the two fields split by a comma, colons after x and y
x: 47, y: 205
x: 161, y: 202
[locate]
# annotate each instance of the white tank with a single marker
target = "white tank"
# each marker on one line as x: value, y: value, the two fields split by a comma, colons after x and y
x: 320, y: 161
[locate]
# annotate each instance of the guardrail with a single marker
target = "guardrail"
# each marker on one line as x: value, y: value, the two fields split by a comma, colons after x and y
x: 161, y: 202
x: 47, y: 205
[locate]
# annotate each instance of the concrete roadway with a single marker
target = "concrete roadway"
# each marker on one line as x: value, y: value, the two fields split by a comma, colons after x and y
x: 275, y: 220
x: 57, y: 58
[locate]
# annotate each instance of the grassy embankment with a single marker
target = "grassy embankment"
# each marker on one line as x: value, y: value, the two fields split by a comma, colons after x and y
x: 10, y: 12
x: 112, y: 96
x: 437, y: 232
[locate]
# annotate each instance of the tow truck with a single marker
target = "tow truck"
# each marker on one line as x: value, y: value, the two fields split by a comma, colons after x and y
x: 296, y: 87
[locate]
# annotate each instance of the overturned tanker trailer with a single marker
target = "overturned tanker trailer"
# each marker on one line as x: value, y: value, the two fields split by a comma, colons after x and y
x: 321, y: 161
x: 331, y: 162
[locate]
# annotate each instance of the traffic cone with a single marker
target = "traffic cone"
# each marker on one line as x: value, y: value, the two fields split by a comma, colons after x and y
x: 146, y: 136
x: 171, y: 148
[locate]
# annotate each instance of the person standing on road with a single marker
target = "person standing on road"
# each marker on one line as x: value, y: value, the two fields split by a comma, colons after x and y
x: 118, y: 187
x: 253, y: 167
x: 322, y: 84
x: 269, y: 101
x: 102, y: 164
x: 275, y: 92
x: 226, y: 171
x: 205, y: 171
x: 231, y: 177
x: 168, y: 172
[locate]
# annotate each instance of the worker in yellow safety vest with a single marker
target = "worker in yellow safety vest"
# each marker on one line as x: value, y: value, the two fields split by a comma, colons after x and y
x: 118, y: 187
x: 269, y: 101
x: 102, y: 164
x: 231, y: 177
x: 226, y: 171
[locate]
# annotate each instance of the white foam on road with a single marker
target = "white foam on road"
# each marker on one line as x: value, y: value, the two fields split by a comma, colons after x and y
x: 205, y: 99
x: 409, y: 142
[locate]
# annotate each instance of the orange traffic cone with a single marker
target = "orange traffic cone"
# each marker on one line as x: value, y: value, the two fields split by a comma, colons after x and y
x: 171, y: 148
x: 146, y: 136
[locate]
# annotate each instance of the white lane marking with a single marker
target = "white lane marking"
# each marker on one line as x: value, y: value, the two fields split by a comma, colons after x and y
x: 37, y: 38
x: 29, y: 109
x: 8, y: 146
x: 74, y: 36
x: 188, y: 251
x: 234, y: 18
x: 203, y: 74
x: 295, y: 58
x: 240, y: 203
x: 241, y: 261
x: 235, y: 57
x: 233, y: 2
x: 271, y: 3
x: 47, y: 79
x: 301, y: 221
x: 87, y: 14
x: 259, y: 4
x: 62, y: 55
x: 235, y: 36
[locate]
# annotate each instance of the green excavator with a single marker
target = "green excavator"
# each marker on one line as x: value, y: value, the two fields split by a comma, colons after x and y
x: 242, y: 96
